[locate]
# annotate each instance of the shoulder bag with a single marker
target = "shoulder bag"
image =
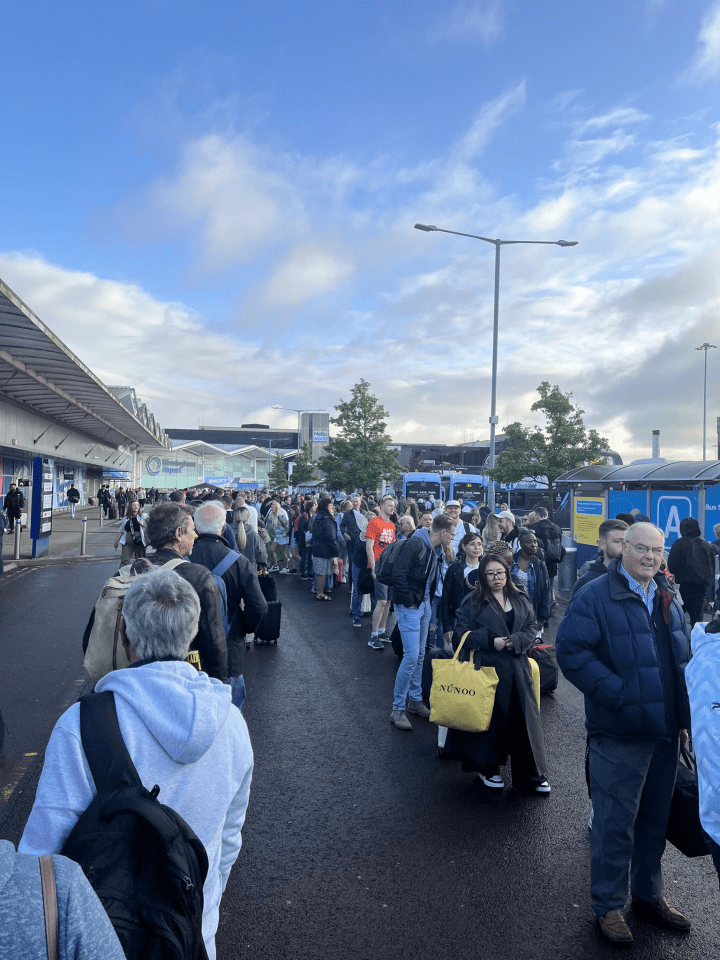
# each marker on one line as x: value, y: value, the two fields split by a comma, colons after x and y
x: 462, y: 697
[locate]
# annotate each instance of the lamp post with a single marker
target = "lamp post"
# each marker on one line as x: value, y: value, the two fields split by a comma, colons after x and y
x: 493, y: 390
x: 705, y: 347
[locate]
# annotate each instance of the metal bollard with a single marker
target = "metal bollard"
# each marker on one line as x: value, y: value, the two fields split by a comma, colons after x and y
x: 83, y: 537
x: 16, y: 554
x: 101, y: 513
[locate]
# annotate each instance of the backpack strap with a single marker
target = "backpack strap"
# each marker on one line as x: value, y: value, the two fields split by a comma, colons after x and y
x: 110, y: 763
x: 171, y: 564
x: 227, y: 561
x: 49, y: 895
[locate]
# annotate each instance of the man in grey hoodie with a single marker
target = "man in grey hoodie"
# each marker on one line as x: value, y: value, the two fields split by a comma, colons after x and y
x: 180, y: 728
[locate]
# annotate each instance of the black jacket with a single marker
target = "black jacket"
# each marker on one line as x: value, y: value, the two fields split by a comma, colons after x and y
x: 455, y: 589
x: 414, y: 565
x: 546, y: 530
x: 691, y: 559
x: 596, y: 569
x: 542, y: 601
x: 210, y: 639
x: 325, y: 543
x: 246, y: 605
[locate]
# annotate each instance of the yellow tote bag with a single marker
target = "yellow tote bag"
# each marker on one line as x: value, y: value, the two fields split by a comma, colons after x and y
x: 535, y: 670
x: 462, y: 697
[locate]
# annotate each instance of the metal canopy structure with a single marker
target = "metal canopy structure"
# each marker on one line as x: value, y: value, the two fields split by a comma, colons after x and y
x: 38, y: 371
x: 650, y: 472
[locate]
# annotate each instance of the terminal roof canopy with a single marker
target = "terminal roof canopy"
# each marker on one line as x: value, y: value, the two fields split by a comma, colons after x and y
x: 658, y: 471
x: 37, y: 370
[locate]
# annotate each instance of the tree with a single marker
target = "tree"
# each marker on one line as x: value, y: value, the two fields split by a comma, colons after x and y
x: 359, y: 458
x: 278, y: 473
x: 304, y: 470
x: 545, y: 453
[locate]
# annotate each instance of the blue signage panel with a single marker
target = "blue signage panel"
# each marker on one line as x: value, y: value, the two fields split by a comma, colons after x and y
x: 41, y: 500
x: 712, y: 511
x: 625, y: 501
x: 669, y: 507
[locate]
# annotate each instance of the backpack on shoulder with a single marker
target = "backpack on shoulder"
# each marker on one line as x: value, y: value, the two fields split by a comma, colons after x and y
x: 102, y: 647
x: 554, y: 551
x: 385, y: 564
x: 217, y: 574
x: 144, y: 862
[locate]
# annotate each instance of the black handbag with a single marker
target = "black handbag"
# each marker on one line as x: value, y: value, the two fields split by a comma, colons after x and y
x: 546, y: 659
x: 684, y: 829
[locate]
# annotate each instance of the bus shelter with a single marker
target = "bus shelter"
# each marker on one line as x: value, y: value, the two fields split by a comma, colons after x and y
x: 665, y: 491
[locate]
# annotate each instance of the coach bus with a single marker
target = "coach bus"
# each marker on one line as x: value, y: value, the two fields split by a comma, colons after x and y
x: 468, y: 487
x: 426, y: 486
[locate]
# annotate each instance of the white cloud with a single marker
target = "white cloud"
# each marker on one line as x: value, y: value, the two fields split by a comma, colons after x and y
x: 618, y: 117
x: 706, y: 62
x: 469, y: 21
x: 306, y: 272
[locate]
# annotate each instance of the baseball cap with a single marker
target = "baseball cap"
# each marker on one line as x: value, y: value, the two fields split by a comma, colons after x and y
x: 507, y: 515
x: 453, y: 503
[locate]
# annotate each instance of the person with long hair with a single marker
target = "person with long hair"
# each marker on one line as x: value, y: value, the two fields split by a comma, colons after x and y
x: 460, y: 580
x: 500, y: 622
x: 249, y: 543
x: 491, y: 530
x: 326, y: 547
x: 132, y: 533
x: 278, y: 528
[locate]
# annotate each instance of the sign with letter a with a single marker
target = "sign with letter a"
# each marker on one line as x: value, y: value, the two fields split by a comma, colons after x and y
x: 669, y: 507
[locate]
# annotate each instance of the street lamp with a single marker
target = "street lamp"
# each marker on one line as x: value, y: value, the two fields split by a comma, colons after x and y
x: 493, y: 391
x: 705, y: 347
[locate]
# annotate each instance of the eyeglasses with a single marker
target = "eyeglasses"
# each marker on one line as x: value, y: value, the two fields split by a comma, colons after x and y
x: 644, y: 550
x: 497, y: 575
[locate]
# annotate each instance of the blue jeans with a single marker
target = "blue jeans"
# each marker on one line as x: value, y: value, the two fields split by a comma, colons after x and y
x: 413, y: 623
x: 631, y: 783
x: 356, y: 596
x: 239, y: 692
x: 436, y: 621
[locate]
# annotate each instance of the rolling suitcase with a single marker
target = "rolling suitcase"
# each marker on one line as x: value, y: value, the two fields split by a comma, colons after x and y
x: 544, y: 655
x: 113, y: 511
x: 268, y: 586
x: 268, y: 630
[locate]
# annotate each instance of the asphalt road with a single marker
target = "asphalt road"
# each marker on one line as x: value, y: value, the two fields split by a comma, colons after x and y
x: 358, y: 840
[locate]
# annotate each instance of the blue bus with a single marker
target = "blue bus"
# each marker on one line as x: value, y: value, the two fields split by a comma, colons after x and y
x: 426, y: 486
x: 470, y: 488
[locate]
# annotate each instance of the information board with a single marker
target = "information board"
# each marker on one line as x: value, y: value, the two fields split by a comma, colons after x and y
x: 41, y: 500
x: 589, y: 514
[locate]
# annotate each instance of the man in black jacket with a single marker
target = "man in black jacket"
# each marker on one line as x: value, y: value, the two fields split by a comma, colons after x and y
x: 171, y: 532
x: 611, y: 537
x: 246, y: 605
x: 550, y: 535
x: 413, y: 586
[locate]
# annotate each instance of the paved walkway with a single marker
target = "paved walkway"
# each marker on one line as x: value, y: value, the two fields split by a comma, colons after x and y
x: 65, y: 539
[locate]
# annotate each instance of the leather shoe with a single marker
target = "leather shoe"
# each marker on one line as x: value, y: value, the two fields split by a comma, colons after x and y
x: 418, y: 707
x: 661, y: 914
x: 614, y: 929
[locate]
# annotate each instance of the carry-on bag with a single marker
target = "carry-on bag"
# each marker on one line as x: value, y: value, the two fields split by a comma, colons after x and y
x: 268, y: 630
x: 684, y: 829
x: 544, y: 656
x: 268, y: 586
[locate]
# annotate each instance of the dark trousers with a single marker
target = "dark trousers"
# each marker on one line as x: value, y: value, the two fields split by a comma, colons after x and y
x: 693, y: 598
x: 631, y: 782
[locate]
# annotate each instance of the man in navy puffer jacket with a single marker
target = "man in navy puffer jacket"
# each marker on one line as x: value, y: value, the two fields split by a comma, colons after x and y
x: 624, y: 644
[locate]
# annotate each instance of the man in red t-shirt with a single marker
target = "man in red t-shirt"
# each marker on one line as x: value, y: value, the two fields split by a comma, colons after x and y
x: 379, y: 533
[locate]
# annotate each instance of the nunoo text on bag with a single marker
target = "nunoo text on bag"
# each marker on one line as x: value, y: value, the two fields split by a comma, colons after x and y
x: 462, y: 697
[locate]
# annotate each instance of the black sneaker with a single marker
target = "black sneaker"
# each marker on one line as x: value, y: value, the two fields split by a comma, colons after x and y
x: 375, y: 644
x: 356, y: 622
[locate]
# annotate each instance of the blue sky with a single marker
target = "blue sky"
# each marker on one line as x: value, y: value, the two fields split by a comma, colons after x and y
x: 215, y: 204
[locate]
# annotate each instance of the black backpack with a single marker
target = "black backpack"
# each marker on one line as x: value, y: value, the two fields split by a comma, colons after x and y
x: 385, y: 563
x: 553, y: 546
x: 144, y: 862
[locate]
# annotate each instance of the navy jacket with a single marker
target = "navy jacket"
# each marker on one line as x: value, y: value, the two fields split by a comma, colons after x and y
x: 606, y: 648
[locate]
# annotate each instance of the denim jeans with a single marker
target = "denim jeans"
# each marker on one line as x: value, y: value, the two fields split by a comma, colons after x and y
x: 413, y: 623
x: 239, y: 691
x: 356, y: 596
x: 436, y: 621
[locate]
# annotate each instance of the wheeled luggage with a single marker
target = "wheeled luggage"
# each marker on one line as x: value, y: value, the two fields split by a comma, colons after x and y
x: 113, y: 511
x: 268, y: 586
x: 268, y: 630
x: 544, y: 655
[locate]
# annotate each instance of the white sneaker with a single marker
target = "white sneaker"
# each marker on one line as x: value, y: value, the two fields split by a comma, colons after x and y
x: 495, y: 783
x: 273, y: 569
x: 285, y: 570
x: 543, y: 787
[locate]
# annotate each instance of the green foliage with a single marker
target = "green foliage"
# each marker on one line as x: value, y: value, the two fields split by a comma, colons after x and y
x: 359, y: 458
x: 278, y: 473
x: 304, y: 470
x: 549, y: 451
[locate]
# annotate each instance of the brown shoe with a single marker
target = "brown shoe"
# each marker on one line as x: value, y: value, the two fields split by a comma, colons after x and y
x: 418, y: 707
x: 661, y: 914
x: 613, y: 928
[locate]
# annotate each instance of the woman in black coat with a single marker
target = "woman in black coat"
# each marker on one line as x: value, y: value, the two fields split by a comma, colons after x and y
x: 460, y: 579
x: 325, y: 546
x: 14, y: 503
x: 500, y: 622
x: 533, y: 577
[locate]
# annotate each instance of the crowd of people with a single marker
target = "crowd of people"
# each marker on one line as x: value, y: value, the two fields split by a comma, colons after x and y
x: 457, y: 580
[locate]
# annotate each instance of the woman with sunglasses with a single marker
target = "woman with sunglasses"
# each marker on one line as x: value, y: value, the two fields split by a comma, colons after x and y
x: 500, y: 621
